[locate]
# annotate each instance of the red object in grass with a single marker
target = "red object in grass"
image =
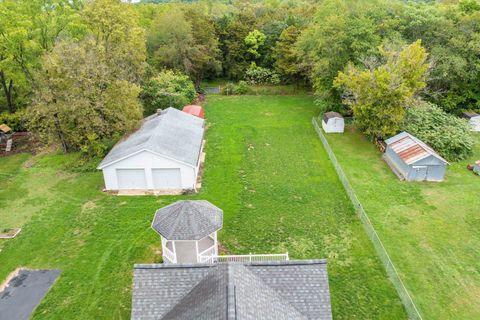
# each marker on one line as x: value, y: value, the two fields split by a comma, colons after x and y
x: 194, y: 110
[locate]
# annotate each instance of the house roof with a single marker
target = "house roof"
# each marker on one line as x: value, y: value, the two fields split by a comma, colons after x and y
x: 172, y: 133
x: 330, y: 115
x: 470, y: 115
x: 267, y: 290
x: 188, y: 220
x: 410, y: 149
x: 4, y: 128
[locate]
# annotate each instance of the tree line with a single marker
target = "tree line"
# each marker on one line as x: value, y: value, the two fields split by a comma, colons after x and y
x: 83, y: 72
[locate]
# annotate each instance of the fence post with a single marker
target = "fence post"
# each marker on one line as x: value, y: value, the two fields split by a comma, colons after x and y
x: 380, y: 250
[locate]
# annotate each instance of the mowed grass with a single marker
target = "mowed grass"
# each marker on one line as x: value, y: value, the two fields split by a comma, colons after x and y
x: 431, y: 230
x: 265, y: 168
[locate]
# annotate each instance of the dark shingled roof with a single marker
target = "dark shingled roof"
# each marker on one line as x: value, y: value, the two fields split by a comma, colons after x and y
x: 330, y: 115
x: 268, y: 290
x: 187, y: 220
x: 470, y: 115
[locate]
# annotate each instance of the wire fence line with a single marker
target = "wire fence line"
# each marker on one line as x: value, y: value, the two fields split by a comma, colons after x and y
x: 410, y: 307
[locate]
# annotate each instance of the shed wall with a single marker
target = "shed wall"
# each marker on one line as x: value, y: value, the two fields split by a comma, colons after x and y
x: 148, y: 161
x: 475, y: 124
x: 334, y: 125
x: 395, y: 160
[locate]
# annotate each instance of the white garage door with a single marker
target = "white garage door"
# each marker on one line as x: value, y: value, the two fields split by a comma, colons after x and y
x: 167, y: 178
x: 131, y: 179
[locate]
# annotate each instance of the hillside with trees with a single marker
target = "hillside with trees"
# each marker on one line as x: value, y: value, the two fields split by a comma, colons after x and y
x: 333, y: 47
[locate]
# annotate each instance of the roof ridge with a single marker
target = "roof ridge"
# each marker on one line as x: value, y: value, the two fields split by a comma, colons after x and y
x: 180, y: 300
x: 269, y: 289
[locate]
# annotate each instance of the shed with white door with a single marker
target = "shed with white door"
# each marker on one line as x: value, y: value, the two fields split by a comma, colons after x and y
x: 164, y: 154
x: 473, y: 119
x: 413, y: 160
x: 332, y: 122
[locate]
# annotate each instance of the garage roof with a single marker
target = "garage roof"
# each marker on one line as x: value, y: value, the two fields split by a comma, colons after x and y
x: 257, y: 290
x: 410, y: 149
x: 172, y: 133
x: 188, y: 220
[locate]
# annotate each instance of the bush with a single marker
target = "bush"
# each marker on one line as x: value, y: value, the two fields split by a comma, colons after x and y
x: 449, y: 135
x: 232, y: 89
x: 167, y: 89
x: 259, y: 75
x: 16, y: 121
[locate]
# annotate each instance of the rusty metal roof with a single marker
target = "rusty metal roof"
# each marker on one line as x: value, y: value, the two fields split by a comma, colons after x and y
x: 410, y: 149
x: 4, y: 128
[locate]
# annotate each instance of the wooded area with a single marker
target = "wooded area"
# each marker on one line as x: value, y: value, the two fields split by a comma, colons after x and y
x: 82, y: 73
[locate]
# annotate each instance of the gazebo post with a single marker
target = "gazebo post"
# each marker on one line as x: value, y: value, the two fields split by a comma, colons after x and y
x: 215, y: 242
x: 196, y: 250
x: 174, y: 251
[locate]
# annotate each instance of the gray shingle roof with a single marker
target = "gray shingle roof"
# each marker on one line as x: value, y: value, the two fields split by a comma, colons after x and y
x: 187, y: 220
x: 268, y: 290
x: 330, y: 115
x: 470, y: 115
x: 173, y: 134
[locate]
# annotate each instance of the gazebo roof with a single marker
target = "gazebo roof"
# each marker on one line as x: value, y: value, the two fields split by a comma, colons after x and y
x: 187, y: 220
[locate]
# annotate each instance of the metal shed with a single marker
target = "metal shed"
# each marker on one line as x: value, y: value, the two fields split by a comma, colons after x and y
x: 474, y: 120
x: 332, y: 122
x: 413, y: 160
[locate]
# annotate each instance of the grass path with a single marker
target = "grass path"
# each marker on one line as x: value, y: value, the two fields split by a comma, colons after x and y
x: 265, y: 168
x: 431, y: 230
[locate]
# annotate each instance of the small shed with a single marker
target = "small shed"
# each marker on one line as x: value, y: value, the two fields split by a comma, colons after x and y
x: 164, y: 154
x: 194, y: 110
x: 333, y: 122
x: 474, y: 120
x: 188, y: 230
x: 476, y: 167
x: 413, y: 160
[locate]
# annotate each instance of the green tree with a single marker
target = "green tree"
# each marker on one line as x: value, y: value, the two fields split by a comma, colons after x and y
x: 27, y: 30
x: 254, y: 41
x: 379, y: 95
x: 287, y: 59
x: 167, y: 89
x: 115, y: 27
x: 449, y: 135
x: 80, y: 101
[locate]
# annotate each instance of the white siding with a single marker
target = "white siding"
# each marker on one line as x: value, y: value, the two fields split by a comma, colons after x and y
x: 148, y: 161
x: 334, y: 125
x: 475, y: 123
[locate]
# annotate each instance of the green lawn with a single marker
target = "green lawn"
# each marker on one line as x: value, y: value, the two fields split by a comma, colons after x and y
x: 431, y: 230
x: 265, y: 168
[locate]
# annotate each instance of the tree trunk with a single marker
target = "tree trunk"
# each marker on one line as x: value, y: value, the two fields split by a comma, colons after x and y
x: 60, y: 133
x: 8, y: 92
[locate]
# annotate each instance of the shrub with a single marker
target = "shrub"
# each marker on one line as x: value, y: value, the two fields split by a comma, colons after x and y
x: 259, y: 75
x: 16, y: 121
x: 447, y: 134
x: 231, y: 89
x: 167, y: 89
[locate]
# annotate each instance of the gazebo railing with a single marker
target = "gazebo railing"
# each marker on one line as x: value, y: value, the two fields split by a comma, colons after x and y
x: 169, y: 255
x: 245, y: 258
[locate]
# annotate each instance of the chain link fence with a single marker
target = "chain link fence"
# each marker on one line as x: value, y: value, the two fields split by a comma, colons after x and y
x: 408, y: 303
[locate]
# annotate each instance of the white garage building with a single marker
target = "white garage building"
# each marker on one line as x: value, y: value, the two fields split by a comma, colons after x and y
x: 332, y: 122
x: 164, y: 154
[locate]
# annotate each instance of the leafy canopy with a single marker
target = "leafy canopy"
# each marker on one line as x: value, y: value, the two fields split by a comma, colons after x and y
x: 447, y: 134
x: 167, y: 89
x: 379, y: 95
